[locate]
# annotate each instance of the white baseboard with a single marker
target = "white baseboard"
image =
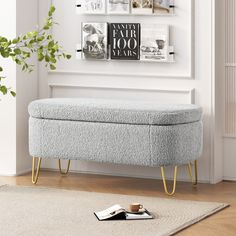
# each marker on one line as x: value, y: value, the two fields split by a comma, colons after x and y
x: 124, y: 175
x: 9, y: 174
x: 228, y: 178
x: 23, y: 172
x: 108, y: 174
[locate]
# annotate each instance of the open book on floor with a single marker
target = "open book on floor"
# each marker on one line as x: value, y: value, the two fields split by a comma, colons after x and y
x: 117, y: 212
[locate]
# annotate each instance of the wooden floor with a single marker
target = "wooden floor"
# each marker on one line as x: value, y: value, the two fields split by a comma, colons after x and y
x: 222, y: 224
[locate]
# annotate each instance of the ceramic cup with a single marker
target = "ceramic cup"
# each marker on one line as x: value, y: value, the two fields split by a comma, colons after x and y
x: 135, y: 207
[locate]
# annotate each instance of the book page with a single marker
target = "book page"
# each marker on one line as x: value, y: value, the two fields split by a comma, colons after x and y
x: 109, y: 212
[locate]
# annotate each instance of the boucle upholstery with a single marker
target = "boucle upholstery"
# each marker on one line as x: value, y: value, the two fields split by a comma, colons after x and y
x: 114, y: 111
x: 77, y: 129
x: 142, y: 145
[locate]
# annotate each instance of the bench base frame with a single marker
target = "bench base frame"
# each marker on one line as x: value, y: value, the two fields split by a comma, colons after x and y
x: 194, y: 179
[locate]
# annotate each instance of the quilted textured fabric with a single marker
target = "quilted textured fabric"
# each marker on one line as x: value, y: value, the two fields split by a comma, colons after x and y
x: 114, y: 111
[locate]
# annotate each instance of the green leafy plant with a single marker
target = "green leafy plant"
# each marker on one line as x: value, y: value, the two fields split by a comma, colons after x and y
x: 39, y: 42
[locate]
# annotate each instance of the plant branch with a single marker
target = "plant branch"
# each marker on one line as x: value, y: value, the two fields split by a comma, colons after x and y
x: 39, y: 42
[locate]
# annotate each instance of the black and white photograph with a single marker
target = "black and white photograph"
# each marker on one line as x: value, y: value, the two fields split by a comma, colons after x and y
x: 125, y: 41
x: 163, y: 7
x: 118, y: 6
x: 94, y: 41
x: 144, y: 7
x: 93, y: 6
x: 154, y: 42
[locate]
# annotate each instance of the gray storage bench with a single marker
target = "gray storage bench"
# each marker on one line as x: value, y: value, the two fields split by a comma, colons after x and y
x: 115, y: 131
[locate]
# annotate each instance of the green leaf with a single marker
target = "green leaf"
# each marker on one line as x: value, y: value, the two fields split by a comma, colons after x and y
x: 17, y: 51
x: 5, y: 44
x: 16, y: 40
x: 5, y: 54
x: 52, y: 67
x: 47, y: 58
x: 1, y: 69
x: 68, y: 56
x: 3, y: 39
x: 13, y: 93
x: 3, y: 89
x: 40, y: 39
x: 53, y: 60
x: 26, y: 54
x: 51, y: 10
x: 50, y: 44
x: 40, y: 57
x: 32, y: 34
x: 18, y: 61
x: 46, y: 27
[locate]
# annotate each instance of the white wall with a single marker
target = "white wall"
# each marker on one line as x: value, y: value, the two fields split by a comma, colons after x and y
x: 174, y: 83
x: 27, y: 84
x: 7, y: 103
x: 74, y: 78
x: 16, y: 17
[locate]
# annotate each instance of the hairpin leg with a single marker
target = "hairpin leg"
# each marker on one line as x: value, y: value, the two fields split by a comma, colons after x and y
x: 164, y: 181
x: 35, y: 175
x: 67, y: 170
x: 194, y: 180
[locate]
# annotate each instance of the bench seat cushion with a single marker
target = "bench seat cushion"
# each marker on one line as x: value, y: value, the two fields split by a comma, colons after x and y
x: 114, y: 111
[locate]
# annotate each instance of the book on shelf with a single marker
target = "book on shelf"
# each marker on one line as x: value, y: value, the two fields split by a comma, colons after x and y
x: 94, y: 41
x: 91, y: 6
x: 118, y: 6
x: 142, y: 7
x: 125, y: 41
x: 163, y: 7
x: 117, y: 212
x: 154, y: 42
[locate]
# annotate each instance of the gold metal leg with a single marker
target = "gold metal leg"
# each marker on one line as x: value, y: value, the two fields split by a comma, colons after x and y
x: 164, y: 181
x: 35, y: 175
x: 195, y: 179
x: 67, y: 170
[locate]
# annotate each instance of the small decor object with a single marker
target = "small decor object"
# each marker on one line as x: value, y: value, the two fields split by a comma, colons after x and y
x: 118, y: 6
x: 91, y: 6
x: 117, y: 212
x: 155, y: 42
x: 94, y: 41
x: 135, y: 207
x: 142, y: 7
x: 125, y: 41
x: 163, y: 7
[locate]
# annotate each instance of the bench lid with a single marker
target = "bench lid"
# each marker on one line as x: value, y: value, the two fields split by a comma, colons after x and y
x: 114, y: 111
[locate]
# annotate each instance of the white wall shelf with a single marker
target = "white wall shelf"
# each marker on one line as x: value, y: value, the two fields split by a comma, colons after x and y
x: 170, y: 59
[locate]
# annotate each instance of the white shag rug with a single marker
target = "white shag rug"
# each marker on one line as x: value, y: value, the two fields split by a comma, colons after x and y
x: 39, y: 211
